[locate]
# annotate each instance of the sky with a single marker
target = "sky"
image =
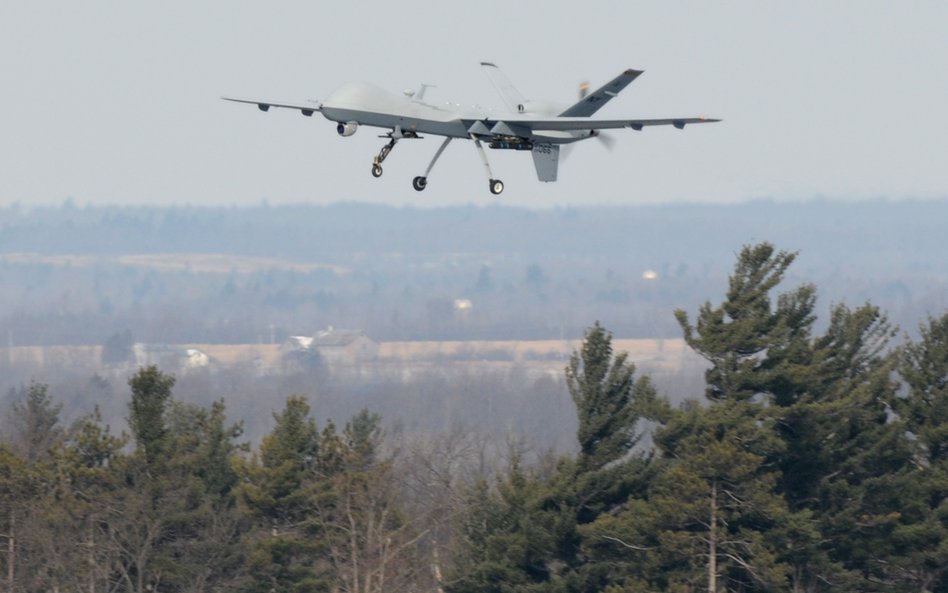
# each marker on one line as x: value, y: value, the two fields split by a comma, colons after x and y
x: 117, y: 102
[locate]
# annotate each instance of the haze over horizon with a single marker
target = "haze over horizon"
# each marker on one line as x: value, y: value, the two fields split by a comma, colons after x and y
x: 115, y: 103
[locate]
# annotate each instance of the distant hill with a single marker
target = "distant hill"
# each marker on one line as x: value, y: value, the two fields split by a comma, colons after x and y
x: 77, y: 275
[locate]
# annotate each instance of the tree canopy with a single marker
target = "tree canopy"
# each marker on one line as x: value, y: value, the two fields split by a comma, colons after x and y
x: 815, y: 460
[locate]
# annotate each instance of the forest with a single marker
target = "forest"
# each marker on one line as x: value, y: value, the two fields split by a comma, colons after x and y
x: 816, y: 459
x: 72, y: 275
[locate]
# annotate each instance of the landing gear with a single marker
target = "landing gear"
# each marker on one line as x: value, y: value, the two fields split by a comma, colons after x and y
x: 421, y: 182
x: 377, y: 161
x: 496, y: 185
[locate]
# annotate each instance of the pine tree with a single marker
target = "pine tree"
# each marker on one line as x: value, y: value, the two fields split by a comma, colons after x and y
x: 151, y: 394
x: 17, y: 485
x: 507, y: 545
x: 609, y: 401
x: 75, y: 547
x: 919, y: 537
x: 545, y: 539
x: 206, y: 551
x: 748, y: 342
x: 829, y: 399
x: 705, y: 521
x: 35, y: 418
x: 370, y: 544
x: 278, y: 488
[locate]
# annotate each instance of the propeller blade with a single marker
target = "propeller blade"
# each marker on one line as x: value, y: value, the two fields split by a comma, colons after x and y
x: 608, y: 140
x: 583, y: 90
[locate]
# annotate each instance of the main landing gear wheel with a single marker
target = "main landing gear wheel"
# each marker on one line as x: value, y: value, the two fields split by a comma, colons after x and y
x: 419, y: 183
x: 376, y: 170
x: 496, y: 186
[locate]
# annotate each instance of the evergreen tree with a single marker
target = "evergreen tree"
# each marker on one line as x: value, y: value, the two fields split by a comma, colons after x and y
x: 17, y: 485
x: 206, y: 550
x: 748, y: 342
x: 546, y: 536
x: 71, y: 521
x: 828, y: 397
x: 919, y: 536
x: 507, y: 545
x: 278, y: 487
x: 705, y: 520
x: 34, y: 432
x: 151, y: 394
x: 370, y: 545
x: 35, y: 422
x: 608, y: 399
x: 717, y: 501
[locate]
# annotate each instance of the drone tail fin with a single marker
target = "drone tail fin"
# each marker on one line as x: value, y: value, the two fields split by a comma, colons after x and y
x: 590, y: 103
x: 546, y: 158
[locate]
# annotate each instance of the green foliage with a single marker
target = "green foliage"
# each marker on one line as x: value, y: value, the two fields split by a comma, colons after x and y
x: 924, y: 366
x: 151, y: 393
x: 508, y: 547
x: 326, y: 509
x: 524, y: 531
x: 718, y: 499
x: 608, y: 400
x: 274, y: 483
x: 746, y: 341
x: 917, y: 548
x: 35, y: 418
x: 816, y: 463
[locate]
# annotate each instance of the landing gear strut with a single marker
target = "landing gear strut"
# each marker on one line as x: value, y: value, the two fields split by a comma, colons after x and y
x: 377, y: 161
x: 496, y: 185
x: 421, y: 182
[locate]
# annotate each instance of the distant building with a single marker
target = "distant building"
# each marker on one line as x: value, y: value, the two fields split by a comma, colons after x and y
x: 167, y: 356
x: 344, y: 346
x: 296, y: 344
x: 330, y: 346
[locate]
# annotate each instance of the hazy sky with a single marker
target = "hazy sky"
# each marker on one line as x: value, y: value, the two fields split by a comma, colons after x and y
x: 118, y: 102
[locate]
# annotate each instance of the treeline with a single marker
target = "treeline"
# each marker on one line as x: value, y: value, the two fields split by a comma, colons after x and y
x: 816, y: 461
x: 397, y: 272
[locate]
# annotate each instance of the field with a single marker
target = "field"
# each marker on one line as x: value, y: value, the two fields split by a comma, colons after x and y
x: 542, y: 357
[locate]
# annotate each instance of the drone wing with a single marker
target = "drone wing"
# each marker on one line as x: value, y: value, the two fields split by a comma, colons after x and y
x: 580, y: 123
x: 306, y: 110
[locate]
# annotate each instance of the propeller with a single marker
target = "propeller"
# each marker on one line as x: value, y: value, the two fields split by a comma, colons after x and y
x: 607, y: 140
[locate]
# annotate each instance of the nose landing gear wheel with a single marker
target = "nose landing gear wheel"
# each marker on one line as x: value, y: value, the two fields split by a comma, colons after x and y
x: 419, y: 183
x: 376, y: 170
x: 496, y: 186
